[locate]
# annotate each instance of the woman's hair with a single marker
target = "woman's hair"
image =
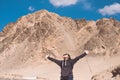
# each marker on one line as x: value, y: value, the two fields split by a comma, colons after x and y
x: 68, y: 55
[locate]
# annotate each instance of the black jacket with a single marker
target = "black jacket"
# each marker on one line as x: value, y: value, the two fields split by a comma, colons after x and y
x: 67, y: 66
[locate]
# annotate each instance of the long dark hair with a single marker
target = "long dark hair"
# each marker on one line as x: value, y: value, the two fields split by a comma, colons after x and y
x: 64, y: 62
x: 68, y: 56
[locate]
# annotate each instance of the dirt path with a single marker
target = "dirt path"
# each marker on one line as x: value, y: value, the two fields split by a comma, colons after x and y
x: 81, y: 69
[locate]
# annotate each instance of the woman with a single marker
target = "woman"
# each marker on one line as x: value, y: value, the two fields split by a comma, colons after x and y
x: 67, y: 64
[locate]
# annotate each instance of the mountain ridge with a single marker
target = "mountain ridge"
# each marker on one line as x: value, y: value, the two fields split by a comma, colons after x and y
x: 27, y: 41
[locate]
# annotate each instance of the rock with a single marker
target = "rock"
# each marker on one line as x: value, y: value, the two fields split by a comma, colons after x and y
x: 31, y: 37
x: 110, y: 74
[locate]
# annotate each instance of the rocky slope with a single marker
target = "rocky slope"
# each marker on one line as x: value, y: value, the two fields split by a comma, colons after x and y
x: 110, y: 74
x: 31, y: 37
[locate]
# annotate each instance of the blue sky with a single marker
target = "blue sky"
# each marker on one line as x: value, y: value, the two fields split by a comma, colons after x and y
x: 11, y: 10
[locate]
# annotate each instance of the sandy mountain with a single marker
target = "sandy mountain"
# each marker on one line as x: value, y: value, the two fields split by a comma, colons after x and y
x: 25, y: 42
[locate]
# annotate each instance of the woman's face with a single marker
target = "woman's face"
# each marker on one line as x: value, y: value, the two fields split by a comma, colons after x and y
x: 65, y: 57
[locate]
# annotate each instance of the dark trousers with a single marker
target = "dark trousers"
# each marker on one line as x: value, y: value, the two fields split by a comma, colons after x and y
x: 66, y: 78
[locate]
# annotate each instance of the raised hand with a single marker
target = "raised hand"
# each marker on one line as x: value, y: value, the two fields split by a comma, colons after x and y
x: 86, y: 51
x: 47, y: 56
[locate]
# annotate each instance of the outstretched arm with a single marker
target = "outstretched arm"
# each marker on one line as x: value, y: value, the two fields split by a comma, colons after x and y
x: 58, y: 62
x: 79, y: 57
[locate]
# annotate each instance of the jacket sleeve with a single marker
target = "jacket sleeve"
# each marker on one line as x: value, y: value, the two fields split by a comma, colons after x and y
x: 58, y: 62
x: 78, y: 57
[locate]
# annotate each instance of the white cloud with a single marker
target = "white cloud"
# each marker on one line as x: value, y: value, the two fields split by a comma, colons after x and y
x: 63, y: 3
x: 31, y: 8
x: 86, y: 5
x: 110, y: 10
